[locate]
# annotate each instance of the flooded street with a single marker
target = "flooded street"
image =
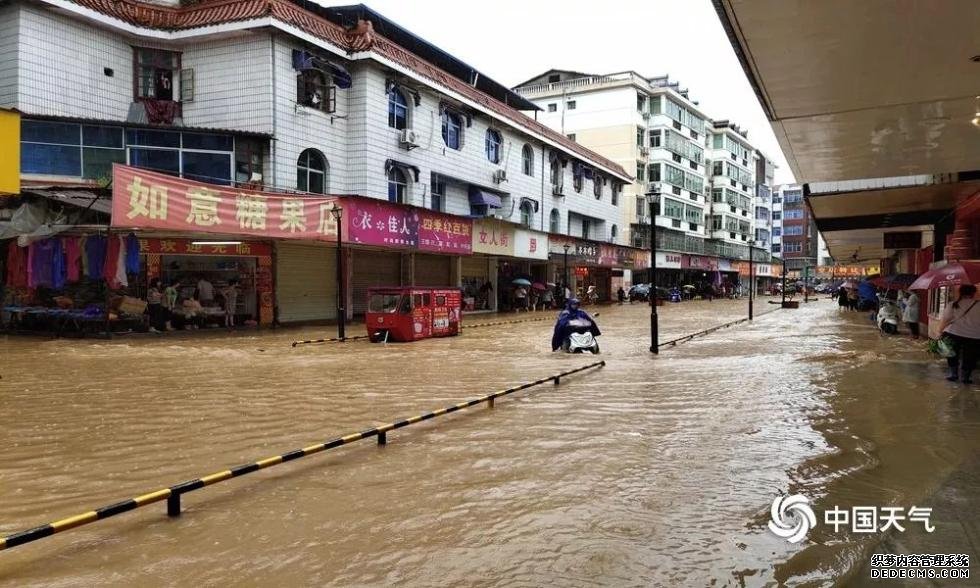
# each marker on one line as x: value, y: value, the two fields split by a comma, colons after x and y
x: 649, y: 471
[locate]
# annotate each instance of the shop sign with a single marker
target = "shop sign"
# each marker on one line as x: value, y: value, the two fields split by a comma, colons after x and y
x: 445, y: 233
x: 187, y: 247
x: 842, y: 271
x: 581, y: 272
x: 493, y: 237
x: 150, y: 200
x: 762, y: 270
x: 625, y: 257
x: 530, y: 244
x: 376, y: 222
x: 699, y: 262
x: 668, y: 260
x: 725, y: 265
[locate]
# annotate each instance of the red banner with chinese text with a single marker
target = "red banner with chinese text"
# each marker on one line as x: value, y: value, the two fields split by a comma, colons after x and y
x: 188, y: 247
x: 149, y: 200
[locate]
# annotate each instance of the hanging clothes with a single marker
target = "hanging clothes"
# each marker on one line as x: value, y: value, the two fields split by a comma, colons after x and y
x: 111, y: 265
x: 16, y: 266
x: 82, y: 255
x: 132, y: 254
x: 58, y: 269
x: 42, y: 263
x: 73, y: 257
x: 120, y: 278
x: 95, y: 251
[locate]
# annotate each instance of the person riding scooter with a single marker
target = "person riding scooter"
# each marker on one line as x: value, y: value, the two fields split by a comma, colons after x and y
x: 571, y: 322
x: 889, y: 314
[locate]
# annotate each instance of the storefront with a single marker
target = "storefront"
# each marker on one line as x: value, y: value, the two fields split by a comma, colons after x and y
x: 306, y: 281
x: 478, y: 273
x: 372, y: 269
x: 513, y: 253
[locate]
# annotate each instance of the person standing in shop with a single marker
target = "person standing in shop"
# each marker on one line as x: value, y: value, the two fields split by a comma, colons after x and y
x: 230, y: 294
x: 205, y: 292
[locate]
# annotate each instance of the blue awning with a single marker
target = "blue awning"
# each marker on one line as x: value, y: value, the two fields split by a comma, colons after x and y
x: 478, y: 197
x: 303, y: 60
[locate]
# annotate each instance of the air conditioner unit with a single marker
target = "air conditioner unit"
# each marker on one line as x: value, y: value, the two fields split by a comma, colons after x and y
x: 500, y: 176
x: 645, y: 115
x: 644, y: 151
x: 654, y: 188
x: 557, y: 190
x: 409, y: 139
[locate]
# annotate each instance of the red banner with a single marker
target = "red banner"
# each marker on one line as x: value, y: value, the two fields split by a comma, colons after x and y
x: 149, y: 200
x: 188, y: 247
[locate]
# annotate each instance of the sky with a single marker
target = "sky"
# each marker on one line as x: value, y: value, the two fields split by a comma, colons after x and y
x: 514, y: 40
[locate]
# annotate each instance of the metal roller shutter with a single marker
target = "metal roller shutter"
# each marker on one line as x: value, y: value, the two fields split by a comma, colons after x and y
x: 306, y: 282
x: 433, y: 270
x: 370, y: 270
x: 476, y: 267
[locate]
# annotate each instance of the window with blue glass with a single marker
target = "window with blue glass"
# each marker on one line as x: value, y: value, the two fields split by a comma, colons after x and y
x: 494, y: 144
x: 311, y: 172
x: 397, y: 109
x: 438, y: 194
x: 70, y: 149
x: 397, y: 186
x: 452, y: 130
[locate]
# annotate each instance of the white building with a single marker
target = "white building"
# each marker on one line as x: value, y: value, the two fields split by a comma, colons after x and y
x: 290, y: 96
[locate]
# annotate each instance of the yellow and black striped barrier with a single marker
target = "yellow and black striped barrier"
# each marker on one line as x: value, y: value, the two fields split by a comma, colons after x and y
x: 330, y: 340
x: 686, y: 338
x: 172, y: 494
x: 497, y: 323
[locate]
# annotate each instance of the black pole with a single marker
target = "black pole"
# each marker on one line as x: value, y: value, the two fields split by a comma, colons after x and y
x: 806, y: 283
x: 784, y: 282
x: 751, y: 280
x: 341, y: 287
x: 654, y: 326
x: 567, y: 289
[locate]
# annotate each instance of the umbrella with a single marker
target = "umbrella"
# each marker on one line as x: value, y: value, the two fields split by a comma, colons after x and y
x: 552, y: 284
x: 521, y: 282
x: 951, y: 274
x: 689, y: 287
x: 849, y: 284
x: 896, y: 282
x: 539, y: 286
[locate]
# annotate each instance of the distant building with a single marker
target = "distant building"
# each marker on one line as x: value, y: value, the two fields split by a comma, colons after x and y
x: 799, y: 238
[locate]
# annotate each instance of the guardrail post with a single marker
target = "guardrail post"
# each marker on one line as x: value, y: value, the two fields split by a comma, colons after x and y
x: 383, y: 438
x: 557, y: 380
x: 490, y: 402
x: 173, y: 505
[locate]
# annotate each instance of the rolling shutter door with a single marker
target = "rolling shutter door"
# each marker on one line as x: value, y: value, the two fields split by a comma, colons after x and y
x: 306, y: 282
x: 433, y: 270
x: 476, y: 267
x: 372, y: 269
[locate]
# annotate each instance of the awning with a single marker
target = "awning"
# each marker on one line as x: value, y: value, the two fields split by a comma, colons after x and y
x: 303, y: 60
x: 405, y: 167
x: 81, y: 198
x: 479, y: 197
x: 532, y: 201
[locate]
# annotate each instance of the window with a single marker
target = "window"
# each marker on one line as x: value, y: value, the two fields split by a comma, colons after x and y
x: 792, y: 247
x: 718, y: 195
x: 527, y: 213
x: 777, y: 215
x: 554, y: 78
x: 438, y: 193
x: 397, y: 186
x: 556, y: 172
x: 397, y: 109
x: 552, y: 107
x: 493, y: 146
x: 640, y: 169
x: 655, y: 138
x: 777, y: 247
x: 791, y: 196
x: 655, y: 105
x: 313, y: 90
x: 66, y: 149
x: 311, y: 172
x: 156, y: 71
x: 577, y: 181
x: 677, y: 158
x: 613, y: 233
x: 641, y: 102
x: 693, y: 215
x: 616, y: 187
x: 793, y: 213
x: 654, y: 172
x: 248, y: 162
x: 597, y: 186
x: 554, y: 223
x: 717, y: 141
x: 586, y: 228
x: 673, y: 208
x: 527, y: 160
x: 452, y: 130
x: 640, y: 137
x: 777, y: 232
x: 793, y: 230
x: 570, y: 105
x: 718, y: 168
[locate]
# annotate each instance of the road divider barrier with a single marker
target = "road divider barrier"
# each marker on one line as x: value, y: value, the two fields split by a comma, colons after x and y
x: 686, y: 338
x: 173, y: 494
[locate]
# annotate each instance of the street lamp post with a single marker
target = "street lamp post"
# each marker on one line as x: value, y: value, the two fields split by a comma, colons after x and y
x: 784, y: 283
x: 806, y: 283
x: 653, y: 199
x: 751, y: 276
x: 338, y: 214
x: 565, y: 285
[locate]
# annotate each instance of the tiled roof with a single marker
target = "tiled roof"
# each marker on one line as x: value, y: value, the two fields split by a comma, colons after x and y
x: 215, y: 12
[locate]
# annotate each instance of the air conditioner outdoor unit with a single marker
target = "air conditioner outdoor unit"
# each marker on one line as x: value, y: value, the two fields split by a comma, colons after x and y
x: 646, y: 115
x: 644, y: 151
x: 653, y: 188
x: 557, y: 190
x: 500, y: 176
x: 409, y: 138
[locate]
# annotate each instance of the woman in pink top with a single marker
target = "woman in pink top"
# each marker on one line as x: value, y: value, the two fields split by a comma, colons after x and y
x: 961, y: 323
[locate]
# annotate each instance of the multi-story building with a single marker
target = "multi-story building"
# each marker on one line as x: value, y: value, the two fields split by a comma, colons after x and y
x: 287, y: 96
x: 704, y: 170
x: 799, y: 237
x: 765, y: 172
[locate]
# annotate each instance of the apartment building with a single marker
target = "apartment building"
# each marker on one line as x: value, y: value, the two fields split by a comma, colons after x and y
x: 289, y: 97
x: 799, y: 239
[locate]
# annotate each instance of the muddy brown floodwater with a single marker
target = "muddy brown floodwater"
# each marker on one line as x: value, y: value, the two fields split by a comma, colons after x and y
x: 645, y: 472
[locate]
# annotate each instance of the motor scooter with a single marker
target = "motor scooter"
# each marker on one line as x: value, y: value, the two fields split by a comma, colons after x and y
x: 888, y: 317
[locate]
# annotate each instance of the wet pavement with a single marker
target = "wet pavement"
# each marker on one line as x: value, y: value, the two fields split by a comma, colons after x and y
x: 649, y: 471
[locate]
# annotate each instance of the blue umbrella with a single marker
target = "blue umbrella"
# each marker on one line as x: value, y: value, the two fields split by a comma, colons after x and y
x: 521, y: 282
